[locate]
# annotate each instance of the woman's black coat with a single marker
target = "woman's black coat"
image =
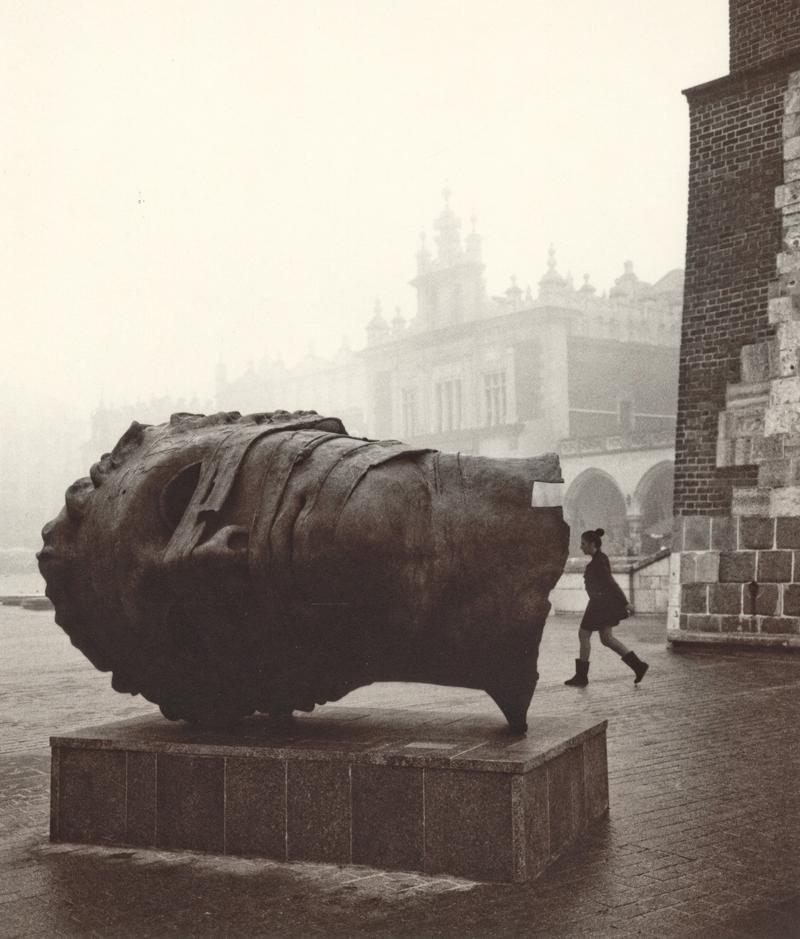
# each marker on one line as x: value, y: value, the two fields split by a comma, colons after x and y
x: 607, y: 602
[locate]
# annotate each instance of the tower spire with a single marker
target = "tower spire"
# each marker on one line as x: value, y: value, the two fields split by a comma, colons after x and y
x: 474, y: 241
x: 448, y: 233
x: 551, y: 282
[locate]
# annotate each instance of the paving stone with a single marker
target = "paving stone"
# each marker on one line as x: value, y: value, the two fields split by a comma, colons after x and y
x: 701, y: 838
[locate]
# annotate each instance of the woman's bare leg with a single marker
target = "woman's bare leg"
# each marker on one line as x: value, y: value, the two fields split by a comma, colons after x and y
x: 585, y: 642
x: 607, y: 638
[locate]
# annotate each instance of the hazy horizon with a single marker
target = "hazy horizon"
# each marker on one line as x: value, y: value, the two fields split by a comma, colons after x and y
x: 189, y: 183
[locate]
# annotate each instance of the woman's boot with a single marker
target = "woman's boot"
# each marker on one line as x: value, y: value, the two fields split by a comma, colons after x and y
x: 581, y: 677
x: 632, y: 660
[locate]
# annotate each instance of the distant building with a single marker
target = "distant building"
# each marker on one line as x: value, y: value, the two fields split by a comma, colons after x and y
x: 109, y: 422
x: 335, y: 386
x: 592, y: 377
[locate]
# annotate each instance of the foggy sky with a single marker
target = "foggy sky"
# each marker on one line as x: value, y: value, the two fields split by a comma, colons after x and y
x: 184, y: 181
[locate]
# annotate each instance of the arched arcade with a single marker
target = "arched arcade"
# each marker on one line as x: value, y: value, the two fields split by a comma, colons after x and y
x: 594, y: 500
x: 635, y: 513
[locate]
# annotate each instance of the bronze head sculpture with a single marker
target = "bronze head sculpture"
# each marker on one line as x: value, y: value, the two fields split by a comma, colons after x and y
x: 229, y: 564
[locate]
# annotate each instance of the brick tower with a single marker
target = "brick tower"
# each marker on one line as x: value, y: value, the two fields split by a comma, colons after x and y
x: 736, y: 562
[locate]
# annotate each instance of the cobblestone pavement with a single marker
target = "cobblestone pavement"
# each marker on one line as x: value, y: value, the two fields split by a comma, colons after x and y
x: 702, y: 839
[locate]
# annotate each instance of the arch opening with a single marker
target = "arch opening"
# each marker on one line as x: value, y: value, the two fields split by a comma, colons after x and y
x: 654, y: 497
x: 594, y: 501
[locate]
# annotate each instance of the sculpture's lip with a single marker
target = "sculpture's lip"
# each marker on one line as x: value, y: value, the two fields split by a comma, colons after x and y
x: 55, y: 562
x: 53, y: 568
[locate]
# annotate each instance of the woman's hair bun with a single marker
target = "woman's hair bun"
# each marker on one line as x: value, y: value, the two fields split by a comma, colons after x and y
x: 599, y: 532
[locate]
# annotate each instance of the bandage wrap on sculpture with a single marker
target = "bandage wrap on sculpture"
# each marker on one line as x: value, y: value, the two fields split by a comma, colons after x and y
x: 228, y: 564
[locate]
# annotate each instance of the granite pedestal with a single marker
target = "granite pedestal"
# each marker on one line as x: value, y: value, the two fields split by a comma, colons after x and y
x: 412, y: 790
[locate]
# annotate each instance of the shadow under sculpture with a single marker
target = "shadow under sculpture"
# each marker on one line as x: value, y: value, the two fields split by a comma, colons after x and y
x: 225, y: 564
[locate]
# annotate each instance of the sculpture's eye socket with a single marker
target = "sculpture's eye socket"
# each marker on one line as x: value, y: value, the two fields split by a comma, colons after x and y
x: 177, y: 494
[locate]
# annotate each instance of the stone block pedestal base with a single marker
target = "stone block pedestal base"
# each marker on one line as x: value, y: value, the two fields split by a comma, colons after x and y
x: 407, y: 790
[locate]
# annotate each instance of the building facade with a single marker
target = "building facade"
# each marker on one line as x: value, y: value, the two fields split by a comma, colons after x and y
x: 108, y: 422
x: 521, y: 373
x: 736, y: 568
x: 591, y: 377
x: 333, y: 386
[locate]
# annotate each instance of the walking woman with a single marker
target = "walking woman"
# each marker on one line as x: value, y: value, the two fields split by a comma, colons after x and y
x: 607, y: 606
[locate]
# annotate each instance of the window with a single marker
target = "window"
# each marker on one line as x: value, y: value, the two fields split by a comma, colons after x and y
x: 448, y: 404
x: 494, y: 387
x: 409, y: 406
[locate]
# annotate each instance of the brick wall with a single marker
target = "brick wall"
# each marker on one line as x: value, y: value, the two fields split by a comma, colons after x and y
x: 735, y: 567
x: 733, y: 235
x: 739, y: 576
x: 761, y: 30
